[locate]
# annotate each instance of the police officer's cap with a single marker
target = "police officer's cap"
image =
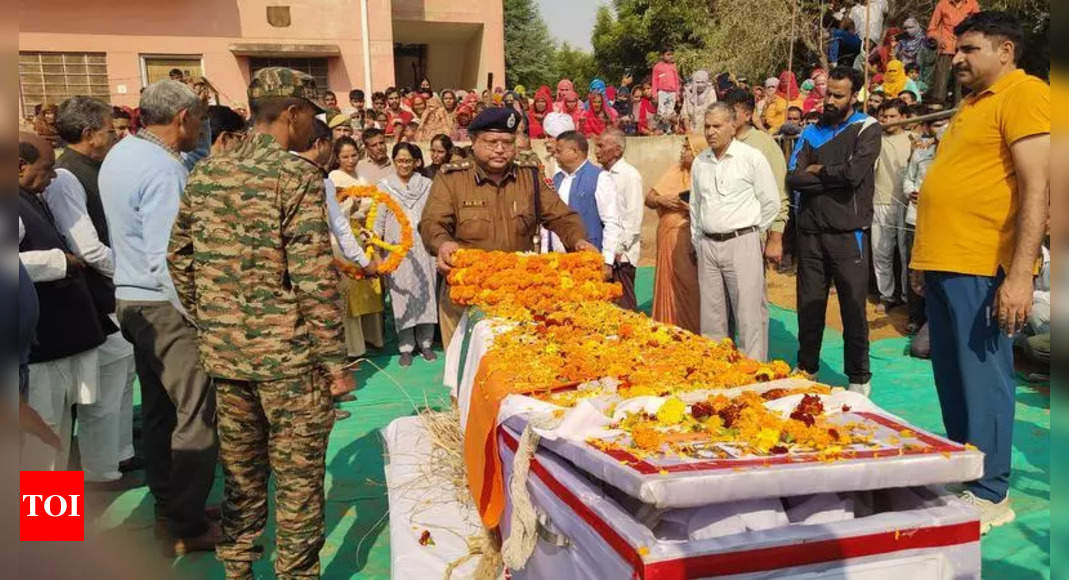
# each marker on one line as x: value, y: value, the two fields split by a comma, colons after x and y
x: 497, y: 119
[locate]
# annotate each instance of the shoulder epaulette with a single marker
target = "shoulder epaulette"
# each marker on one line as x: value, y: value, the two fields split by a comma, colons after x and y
x: 457, y: 166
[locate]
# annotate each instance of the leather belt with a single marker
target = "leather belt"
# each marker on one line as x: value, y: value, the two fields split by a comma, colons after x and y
x: 731, y: 235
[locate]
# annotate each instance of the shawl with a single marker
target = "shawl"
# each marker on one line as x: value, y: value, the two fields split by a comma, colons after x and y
x: 534, y: 118
x: 435, y: 120
x: 788, y: 86
x: 913, y: 41
x: 894, y: 79
x: 417, y: 188
x: 700, y: 100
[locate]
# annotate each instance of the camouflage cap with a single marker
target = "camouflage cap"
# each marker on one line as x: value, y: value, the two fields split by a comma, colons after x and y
x: 278, y: 81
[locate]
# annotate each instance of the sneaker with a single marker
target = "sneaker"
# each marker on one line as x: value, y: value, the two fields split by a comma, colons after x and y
x: 992, y: 514
x: 428, y: 355
x: 347, y: 397
x: 800, y: 372
x: 859, y: 388
x: 406, y: 359
x: 203, y: 543
x: 341, y: 414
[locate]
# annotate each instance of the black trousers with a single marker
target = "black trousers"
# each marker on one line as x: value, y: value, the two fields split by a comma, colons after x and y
x: 625, y: 275
x: 177, y: 413
x: 842, y: 259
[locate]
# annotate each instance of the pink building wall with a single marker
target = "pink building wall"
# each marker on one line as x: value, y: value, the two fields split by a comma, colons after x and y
x: 126, y: 31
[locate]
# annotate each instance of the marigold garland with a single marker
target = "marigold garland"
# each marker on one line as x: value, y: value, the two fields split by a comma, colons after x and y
x: 396, y: 252
x: 501, y: 282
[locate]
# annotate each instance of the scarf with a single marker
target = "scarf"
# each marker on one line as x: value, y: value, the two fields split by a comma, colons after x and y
x: 894, y: 79
x: 788, y: 86
x: 436, y: 120
x: 410, y: 194
x: 566, y: 91
x: 699, y: 100
x: 909, y: 46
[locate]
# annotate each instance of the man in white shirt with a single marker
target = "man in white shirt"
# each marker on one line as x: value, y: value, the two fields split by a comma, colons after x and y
x: 869, y: 20
x: 590, y: 192
x: 734, y: 198
x: 631, y: 201
x: 105, y: 427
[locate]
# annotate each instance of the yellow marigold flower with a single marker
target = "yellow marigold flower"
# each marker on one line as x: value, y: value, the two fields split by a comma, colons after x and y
x: 671, y: 412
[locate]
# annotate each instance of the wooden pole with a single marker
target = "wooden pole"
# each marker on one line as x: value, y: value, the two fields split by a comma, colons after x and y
x: 865, y: 49
x: 820, y: 38
x: 790, y: 51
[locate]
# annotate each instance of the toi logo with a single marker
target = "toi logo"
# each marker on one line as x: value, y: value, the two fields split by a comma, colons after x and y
x: 51, y: 506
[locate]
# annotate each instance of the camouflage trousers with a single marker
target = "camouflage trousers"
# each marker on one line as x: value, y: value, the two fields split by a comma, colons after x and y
x: 281, y: 427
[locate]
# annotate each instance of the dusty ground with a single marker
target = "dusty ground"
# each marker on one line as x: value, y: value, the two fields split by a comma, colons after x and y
x: 781, y: 291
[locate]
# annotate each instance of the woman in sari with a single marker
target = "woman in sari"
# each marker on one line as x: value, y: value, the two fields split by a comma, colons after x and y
x: 362, y: 317
x: 675, y: 286
x: 895, y: 81
x: 540, y: 107
x: 787, y: 96
x: 598, y: 117
x: 412, y: 286
x: 568, y: 101
x: 815, y: 100
x: 435, y: 120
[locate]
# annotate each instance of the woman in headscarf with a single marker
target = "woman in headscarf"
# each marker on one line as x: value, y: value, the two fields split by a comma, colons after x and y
x: 675, y: 286
x: 425, y: 88
x: 911, y: 41
x: 464, y: 117
x: 787, y: 96
x: 435, y: 120
x: 540, y: 107
x: 598, y: 117
x: 412, y: 286
x: 699, y: 95
x: 596, y: 85
x: 419, y: 105
x: 815, y: 100
x: 895, y: 81
x: 568, y: 101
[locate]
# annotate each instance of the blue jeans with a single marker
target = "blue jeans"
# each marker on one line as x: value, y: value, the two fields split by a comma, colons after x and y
x: 973, y: 364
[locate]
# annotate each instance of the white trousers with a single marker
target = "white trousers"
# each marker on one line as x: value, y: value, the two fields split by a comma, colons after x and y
x: 105, y: 429
x: 421, y: 334
x: 55, y: 386
x: 889, y: 235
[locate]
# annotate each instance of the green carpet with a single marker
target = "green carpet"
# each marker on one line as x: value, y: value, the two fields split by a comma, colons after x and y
x: 357, y: 544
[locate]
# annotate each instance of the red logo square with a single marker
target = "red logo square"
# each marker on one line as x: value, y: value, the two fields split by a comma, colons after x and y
x: 51, y: 506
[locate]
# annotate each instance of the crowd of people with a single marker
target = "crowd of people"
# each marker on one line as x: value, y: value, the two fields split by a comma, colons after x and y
x: 149, y: 247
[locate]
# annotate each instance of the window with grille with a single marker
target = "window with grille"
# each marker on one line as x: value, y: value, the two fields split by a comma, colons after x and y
x: 51, y: 77
x: 316, y: 67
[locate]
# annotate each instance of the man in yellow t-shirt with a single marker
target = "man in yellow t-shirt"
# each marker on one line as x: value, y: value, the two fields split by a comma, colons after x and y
x: 981, y: 217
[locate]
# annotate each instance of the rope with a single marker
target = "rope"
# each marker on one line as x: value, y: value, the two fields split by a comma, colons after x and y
x: 523, y: 523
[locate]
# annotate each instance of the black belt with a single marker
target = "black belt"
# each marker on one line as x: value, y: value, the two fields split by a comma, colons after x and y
x: 731, y: 235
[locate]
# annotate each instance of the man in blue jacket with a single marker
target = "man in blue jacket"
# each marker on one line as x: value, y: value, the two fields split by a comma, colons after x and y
x: 832, y: 172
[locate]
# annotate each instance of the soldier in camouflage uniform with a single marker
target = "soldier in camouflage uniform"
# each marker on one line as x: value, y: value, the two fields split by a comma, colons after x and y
x: 250, y: 257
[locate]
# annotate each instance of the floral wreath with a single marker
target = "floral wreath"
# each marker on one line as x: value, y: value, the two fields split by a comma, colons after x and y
x: 397, y: 252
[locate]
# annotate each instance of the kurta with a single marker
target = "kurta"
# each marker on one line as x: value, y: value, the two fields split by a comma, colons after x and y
x: 412, y: 286
x: 363, y: 298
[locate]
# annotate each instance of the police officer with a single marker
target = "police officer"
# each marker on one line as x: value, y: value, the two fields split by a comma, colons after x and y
x: 250, y: 256
x: 492, y: 202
